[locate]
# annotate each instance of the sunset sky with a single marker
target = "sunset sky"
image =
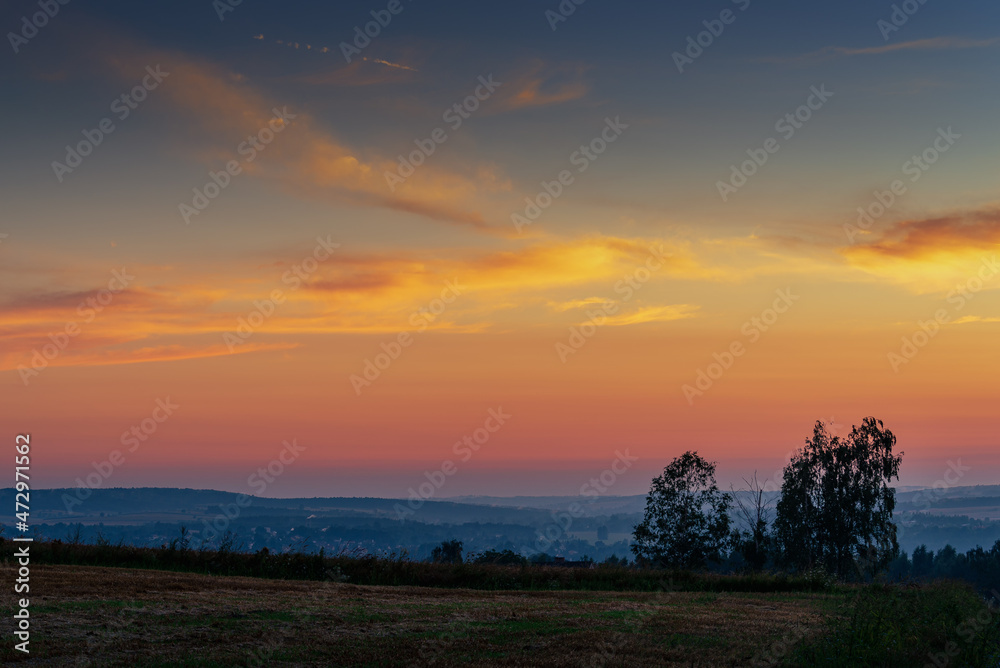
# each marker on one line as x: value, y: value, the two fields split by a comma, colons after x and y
x: 258, y: 311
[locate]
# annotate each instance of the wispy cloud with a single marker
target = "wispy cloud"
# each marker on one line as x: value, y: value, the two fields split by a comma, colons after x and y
x: 930, y: 44
x: 358, y: 74
x: 309, y: 160
x: 651, y: 314
x: 964, y: 320
x: 560, y: 307
x: 326, y: 49
x: 388, y: 64
x: 542, y: 85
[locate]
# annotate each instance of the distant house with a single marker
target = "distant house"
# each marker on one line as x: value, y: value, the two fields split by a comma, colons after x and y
x: 561, y: 561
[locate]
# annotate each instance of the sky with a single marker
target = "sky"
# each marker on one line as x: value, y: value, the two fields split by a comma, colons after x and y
x: 497, y: 246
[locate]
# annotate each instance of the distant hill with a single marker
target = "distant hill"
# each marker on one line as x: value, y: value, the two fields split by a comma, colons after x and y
x: 591, y: 505
x: 598, y: 527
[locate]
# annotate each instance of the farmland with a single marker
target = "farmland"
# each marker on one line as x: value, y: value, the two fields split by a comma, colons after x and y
x: 117, y: 606
x: 126, y: 617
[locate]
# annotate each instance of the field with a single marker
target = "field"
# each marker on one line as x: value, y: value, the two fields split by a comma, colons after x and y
x: 87, y: 615
x: 128, y: 617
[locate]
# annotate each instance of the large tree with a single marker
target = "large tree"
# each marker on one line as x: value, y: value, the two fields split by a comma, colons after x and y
x: 836, y: 504
x: 686, y: 522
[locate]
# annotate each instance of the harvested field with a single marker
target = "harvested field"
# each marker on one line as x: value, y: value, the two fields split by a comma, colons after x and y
x: 124, y: 617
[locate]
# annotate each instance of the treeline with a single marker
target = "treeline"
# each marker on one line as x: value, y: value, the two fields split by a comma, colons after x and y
x: 979, y: 567
x: 398, y: 570
x: 502, y: 570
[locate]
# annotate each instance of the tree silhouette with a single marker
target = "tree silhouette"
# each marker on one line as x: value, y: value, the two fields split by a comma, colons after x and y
x: 449, y: 552
x: 754, y: 511
x: 686, y: 522
x: 836, y: 504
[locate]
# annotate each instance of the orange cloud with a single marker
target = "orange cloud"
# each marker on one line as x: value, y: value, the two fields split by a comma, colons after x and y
x: 162, y: 317
x: 541, y: 86
x: 521, y: 284
x: 958, y: 233
x: 933, y: 253
x: 306, y: 158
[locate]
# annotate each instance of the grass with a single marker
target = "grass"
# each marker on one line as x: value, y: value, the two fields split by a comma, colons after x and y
x: 84, y: 615
x: 941, y: 624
